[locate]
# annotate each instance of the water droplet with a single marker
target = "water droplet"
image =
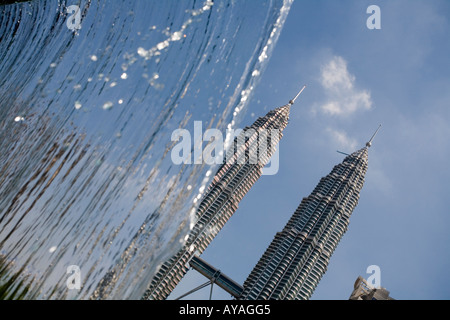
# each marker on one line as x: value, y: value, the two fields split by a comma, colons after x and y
x: 162, y: 45
x: 176, y: 36
x: 142, y: 52
x: 108, y: 105
x: 78, y: 105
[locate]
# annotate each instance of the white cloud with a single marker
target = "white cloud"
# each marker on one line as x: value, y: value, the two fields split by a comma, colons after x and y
x: 342, y: 96
x: 342, y: 141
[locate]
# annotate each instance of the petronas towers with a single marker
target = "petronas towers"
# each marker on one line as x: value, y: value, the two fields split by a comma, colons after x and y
x: 298, y: 256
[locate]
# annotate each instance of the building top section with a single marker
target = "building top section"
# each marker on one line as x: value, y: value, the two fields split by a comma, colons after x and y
x: 364, y: 291
x: 359, y: 154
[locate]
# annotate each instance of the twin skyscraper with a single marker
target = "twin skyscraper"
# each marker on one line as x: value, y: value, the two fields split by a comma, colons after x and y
x: 298, y: 256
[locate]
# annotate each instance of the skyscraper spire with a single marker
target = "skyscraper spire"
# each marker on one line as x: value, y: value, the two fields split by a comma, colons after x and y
x: 369, y: 144
x: 232, y: 181
x: 298, y: 256
x: 291, y: 102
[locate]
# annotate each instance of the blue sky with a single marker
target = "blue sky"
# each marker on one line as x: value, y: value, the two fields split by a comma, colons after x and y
x: 357, y: 78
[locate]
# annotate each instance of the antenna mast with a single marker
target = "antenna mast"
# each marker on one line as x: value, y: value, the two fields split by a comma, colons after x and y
x: 291, y: 102
x: 369, y: 144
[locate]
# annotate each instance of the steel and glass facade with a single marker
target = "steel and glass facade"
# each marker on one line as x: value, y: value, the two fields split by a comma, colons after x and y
x: 242, y: 167
x: 298, y: 256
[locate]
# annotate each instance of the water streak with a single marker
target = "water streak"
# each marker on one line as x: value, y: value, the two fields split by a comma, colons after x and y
x: 86, y: 118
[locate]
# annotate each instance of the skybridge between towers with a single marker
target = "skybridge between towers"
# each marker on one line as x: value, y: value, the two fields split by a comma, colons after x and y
x: 215, y: 276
